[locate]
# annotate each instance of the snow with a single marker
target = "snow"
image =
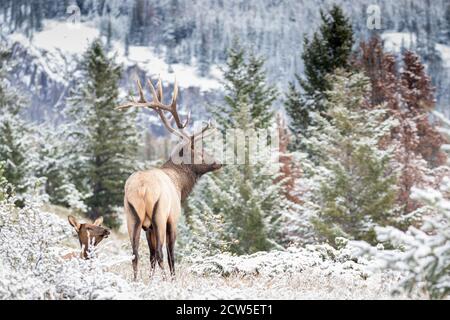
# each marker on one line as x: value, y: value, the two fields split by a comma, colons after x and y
x: 31, y: 268
x: 154, y: 66
x: 445, y: 54
x: 395, y: 41
x: 60, y: 44
x: 71, y: 38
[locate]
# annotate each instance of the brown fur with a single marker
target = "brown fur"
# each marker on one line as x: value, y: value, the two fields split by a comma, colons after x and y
x: 87, y: 233
x: 152, y: 202
x: 153, y: 198
x: 182, y: 176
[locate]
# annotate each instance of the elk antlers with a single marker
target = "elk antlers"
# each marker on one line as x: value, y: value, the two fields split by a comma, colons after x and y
x: 157, y: 105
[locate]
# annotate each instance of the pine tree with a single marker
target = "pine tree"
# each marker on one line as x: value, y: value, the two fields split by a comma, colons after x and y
x: 329, y: 49
x: 3, y: 183
x: 423, y: 254
x: 203, y: 61
x: 418, y: 96
x: 104, y: 141
x: 447, y: 21
x: 245, y: 197
x: 356, y: 187
x: 13, y: 131
x: 245, y: 84
x: 55, y: 159
x: 408, y: 97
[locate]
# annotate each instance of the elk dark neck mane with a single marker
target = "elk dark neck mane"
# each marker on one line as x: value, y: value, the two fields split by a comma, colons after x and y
x: 182, y: 175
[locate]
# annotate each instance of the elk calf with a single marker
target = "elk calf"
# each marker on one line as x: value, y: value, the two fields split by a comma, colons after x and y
x: 88, y: 234
x: 153, y: 198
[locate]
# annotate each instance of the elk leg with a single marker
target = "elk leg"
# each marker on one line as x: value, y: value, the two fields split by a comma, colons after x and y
x: 170, y: 245
x: 135, y: 246
x: 151, y: 240
x: 159, y: 244
x: 160, y: 233
x: 134, y: 231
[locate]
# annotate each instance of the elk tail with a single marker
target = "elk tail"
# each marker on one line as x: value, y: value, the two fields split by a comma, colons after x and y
x: 150, y: 207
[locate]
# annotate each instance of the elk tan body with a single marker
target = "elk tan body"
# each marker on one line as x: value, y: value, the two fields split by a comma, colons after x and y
x: 153, y: 195
x: 152, y: 200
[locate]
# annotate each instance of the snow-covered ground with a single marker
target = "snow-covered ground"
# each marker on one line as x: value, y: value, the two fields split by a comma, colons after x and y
x: 32, y: 268
x: 61, y: 43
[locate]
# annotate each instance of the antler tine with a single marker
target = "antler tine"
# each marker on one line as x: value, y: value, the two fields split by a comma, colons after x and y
x: 188, y: 118
x: 157, y: 105
x: 141, y: 92
x: 180, y: 134
x: 132, y: 103
x: 155, y: 101
x: 209, y: 126
x: 173, y: 108
x: 160, y: 90
x: 175, y: 95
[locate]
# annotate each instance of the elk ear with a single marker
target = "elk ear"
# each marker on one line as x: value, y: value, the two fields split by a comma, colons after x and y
x: 74, y: 223
x: 98, y: 221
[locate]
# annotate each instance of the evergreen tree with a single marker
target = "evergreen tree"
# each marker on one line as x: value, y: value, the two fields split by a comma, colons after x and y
x: 447, y: 22
x: 423, y: 254
x: 245, y: 84
x: 2, y: 183
x: 408, y: 97
x: 104, y: 141
x: 329, y: 49
x: 203, y: 62
x: 54, y: 161
x: 245, y: 197
x: 14, y: 131
x: 418, y: 96
x: 356, y: 189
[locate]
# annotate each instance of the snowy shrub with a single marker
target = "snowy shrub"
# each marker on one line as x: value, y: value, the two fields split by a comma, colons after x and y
x: 72, y: 197
x: 31, y: 246
x: 423, y: 254
x: 32, y: 243
x: 292, y: 261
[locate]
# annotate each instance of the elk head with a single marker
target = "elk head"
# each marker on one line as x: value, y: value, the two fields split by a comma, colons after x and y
x: 187, y: 153
x: 89, y: 233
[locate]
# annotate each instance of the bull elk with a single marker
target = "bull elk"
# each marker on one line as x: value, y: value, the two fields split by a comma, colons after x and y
x: 88, y: 234
x: 152, y: 200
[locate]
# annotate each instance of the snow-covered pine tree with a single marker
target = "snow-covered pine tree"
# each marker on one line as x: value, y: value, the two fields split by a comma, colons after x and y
x: 245, y: 83
x: 241, y: 206
x: 447, y: 22
x: 422, y: 254
x: 355, y: 185
x: 387, y: 88
x: 329, y: 49
x: 53, y: 164
x: 2, y: 183
x: 14, y: 131
x: 104, y: 141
